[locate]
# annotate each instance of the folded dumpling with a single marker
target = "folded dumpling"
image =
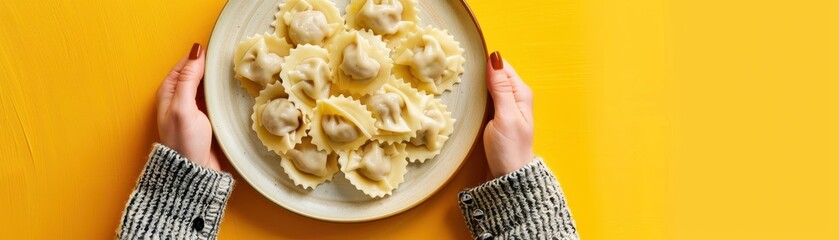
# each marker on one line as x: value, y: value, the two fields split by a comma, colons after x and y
x: 436, y: 125
x: 360, y: 62
x: 307, y: 166
x: 307, y: 21
x: 375, y: 168
x: 277, y: 121
x: 307, y: 77
x: 341, y: 124
x: 258, y: 60
x: 383, y: 17
x: 430, y: 59
x: 396, y: 108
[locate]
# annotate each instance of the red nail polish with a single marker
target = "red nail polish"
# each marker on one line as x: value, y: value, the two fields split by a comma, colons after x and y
x: 195, y: 52
x: 495, y: 59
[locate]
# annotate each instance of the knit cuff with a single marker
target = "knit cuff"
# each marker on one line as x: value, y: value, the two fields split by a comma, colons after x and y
x: 525, y: 204
x: 175, y: 198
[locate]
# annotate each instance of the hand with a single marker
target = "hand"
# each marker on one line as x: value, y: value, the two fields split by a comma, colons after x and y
x: 508, y: 137
x: 181, y: 124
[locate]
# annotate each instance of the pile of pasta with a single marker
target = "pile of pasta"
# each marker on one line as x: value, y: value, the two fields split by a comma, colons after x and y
x: 356, y: 94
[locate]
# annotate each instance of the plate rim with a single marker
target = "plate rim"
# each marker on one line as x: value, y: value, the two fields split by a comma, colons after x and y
x: 487, y: 112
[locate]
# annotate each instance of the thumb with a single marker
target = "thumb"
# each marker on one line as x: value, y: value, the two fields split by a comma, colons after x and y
x: 500, y: 86
x: 190, y: 77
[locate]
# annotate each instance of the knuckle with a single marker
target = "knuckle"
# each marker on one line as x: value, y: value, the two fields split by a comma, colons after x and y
x: 187, y: 74
x: 174, y: 73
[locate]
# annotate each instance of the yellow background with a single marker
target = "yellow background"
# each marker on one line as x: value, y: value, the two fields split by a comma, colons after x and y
x: 662, y: 119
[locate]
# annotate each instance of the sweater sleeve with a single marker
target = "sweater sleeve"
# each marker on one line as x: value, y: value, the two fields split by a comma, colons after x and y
x: 525, y: 204
x: 175, y: 199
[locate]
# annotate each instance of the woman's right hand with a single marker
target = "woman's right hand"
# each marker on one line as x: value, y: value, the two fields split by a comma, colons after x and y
x: 508, y: 137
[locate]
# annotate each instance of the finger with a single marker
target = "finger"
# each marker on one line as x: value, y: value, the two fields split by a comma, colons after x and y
x: 522, y: 92
x: 199, y: 98
x: 187, y: 84
x: 166, y: 90
x: 500, y: 87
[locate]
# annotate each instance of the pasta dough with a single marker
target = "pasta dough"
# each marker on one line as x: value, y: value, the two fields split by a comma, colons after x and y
x: 360, y: 62
x: 375, y: 168
x: 307, y: 21
x: 383, y: 17
x: 396, y: 108
x: 258, y: 61
x: 430, y: 59
x: 306, y: 76
x: 307, y: 166
x: 435, y: 127
x: 341, y: 124
x: 277, y: 122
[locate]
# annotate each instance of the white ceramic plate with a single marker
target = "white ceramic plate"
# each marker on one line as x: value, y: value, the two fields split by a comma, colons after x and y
x: 229, y: 108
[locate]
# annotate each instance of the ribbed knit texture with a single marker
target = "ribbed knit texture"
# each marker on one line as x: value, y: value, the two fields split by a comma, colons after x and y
x: 178, y: 199
x: 175, y: 199
x: 525, y: 204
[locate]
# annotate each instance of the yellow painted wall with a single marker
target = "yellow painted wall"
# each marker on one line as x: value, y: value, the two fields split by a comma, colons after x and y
x: 663, y: 119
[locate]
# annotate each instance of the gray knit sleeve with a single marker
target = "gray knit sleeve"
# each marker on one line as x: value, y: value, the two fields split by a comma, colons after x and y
x: 525, y: 204
x: 175, y: 199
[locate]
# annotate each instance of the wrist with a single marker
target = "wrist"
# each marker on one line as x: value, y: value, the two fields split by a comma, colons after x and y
x: 198, y: 157
x: 505, y: 165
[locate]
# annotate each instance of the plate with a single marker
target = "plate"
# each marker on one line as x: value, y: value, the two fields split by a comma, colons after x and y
x: 229, y: 108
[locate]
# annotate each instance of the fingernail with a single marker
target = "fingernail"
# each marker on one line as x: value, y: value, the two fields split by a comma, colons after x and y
x: 195, y: 52
x: 495, y: 59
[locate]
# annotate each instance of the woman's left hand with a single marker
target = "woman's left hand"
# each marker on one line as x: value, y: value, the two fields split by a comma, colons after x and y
x: 181, y: 124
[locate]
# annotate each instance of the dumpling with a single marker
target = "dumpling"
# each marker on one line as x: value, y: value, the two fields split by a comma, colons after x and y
x: 383, y: 17
x: 306, y: 76
x: 341, y: 124
x: 396, y: 108
x: 375, y: 168
x: 307, y: 166
x: 430, y: 59
x: 280, y: 117
x: 258, y: 61
x: 307, y: 21
x: 276, y: 120
x: 360, y: 62
x: 435, y: 127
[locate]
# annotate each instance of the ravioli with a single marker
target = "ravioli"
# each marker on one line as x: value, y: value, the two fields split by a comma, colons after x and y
x: 341, y: 124
x: 258, y: 61
x: 429, y: 59
x: 396, y: 108
x: 312, y: 22
x: 360, y: 62
x: 307, y: 76
x: 276, y: 120
x: 435, y: 127
x: 307, y: 166
x: 375, y: 168
x: 387, y: 18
